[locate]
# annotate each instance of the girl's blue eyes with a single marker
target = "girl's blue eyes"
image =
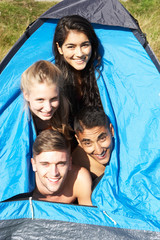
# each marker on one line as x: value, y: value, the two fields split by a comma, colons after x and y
x: 62, y: 164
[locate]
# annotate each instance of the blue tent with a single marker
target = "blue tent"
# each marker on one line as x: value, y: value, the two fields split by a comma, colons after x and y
x: 127, y: 199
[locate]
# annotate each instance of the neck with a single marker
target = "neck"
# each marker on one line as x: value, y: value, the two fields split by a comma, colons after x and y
x: 78, y: 84
x: 37, y: 195
x: 40, y: 124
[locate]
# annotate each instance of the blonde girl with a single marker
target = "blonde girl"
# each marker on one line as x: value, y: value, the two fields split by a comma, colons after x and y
x: 42, y: 87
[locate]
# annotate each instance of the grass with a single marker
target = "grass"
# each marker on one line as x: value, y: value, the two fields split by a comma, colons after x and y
x: 147, y: 12
x: 16, y: 15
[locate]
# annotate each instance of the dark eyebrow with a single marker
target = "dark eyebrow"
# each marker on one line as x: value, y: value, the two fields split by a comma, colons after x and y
x: 101, y: 135
x: 55, y: 97
x: 72, y: 44
x: 43, y: 161
x: 85, y: 140
x: 86, y: 42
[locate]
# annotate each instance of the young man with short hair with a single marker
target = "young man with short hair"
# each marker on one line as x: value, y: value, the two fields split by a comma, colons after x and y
x: 57, y: 179
x: 95, y: 135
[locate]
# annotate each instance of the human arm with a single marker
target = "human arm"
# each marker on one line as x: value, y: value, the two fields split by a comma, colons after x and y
x: 82, y: 187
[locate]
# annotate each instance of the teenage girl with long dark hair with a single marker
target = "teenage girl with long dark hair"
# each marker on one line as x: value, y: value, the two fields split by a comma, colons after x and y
x: 76, y: 50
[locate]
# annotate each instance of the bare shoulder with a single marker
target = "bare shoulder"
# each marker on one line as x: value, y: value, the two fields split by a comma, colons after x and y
x: 82, y: 185
x: 81, y: 172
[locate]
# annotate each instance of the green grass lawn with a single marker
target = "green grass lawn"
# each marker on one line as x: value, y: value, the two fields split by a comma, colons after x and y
x: 16, y: 15
x: 147, y: 12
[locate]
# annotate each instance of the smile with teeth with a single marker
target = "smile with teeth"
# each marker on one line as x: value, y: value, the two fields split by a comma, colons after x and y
x: 102, y: 155
x: 54, y: 180
x: 46, y: 113
x: 82, y: 60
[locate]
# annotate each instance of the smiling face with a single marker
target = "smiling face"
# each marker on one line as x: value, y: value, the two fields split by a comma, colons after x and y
x: 97, y: 142
x: 51, y: 169
x: 76, y: 49
x: 43, y: 100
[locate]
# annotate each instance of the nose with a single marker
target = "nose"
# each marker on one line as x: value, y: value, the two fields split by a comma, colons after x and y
x: 97, y: 148
x: 78, y: 52
x: 54, y: 170
x: 47, y: 106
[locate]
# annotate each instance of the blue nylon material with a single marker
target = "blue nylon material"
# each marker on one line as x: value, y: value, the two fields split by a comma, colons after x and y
x: 130, y: 91
x: 71, y: 213
x: 17, y: 131
x: 130, y: 85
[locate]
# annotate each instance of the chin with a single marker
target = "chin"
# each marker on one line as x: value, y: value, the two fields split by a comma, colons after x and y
x: 45, y: 118
x: 79, y: 68
x: 48, y: 118
x: 102, y: 161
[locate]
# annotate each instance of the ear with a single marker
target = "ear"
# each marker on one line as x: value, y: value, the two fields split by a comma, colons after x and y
x: 33, y: 164
x: 26, y: 96
x: 78, y: 140
x: 111, y: 129
x: 59, y: 48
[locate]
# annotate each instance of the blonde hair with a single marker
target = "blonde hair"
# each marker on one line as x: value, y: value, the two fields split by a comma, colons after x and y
x: 45, y: 72
x: 41, y: 72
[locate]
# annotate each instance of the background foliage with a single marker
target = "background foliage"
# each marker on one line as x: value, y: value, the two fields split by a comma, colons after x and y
x: 147, y: 12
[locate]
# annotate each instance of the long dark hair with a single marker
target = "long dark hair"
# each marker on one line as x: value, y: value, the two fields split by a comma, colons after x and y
x: 89, y: 86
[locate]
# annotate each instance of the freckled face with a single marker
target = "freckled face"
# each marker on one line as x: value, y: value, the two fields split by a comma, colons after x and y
x: 51, y: 169
x: 97, y: 142
x: 76, y: 49
x: 43, y: 100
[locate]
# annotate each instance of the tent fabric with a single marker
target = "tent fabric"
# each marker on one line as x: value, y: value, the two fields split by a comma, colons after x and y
x: 110, y: 12
x: 143, y: 40
x: 129, y: 85
x: 45, y: 215
x: 48, y: 229
x: 137, y: 162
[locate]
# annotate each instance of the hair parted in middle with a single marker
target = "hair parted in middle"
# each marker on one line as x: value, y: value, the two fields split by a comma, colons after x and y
x: 50, y: 140
x: 41, y: 72
x: 45, y: 72
x: 88, y: 85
